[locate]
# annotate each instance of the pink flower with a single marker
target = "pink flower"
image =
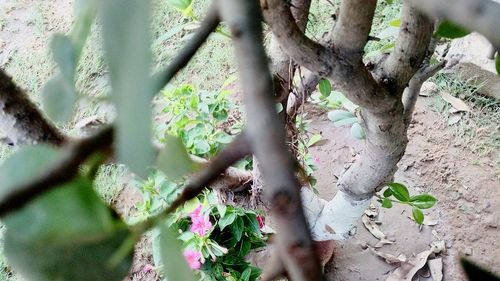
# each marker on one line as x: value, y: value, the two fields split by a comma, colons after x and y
x: 200, y: 223
x: 317, y: 160
x: 148, y: 268
x: 193, y: 258
x: 260, y: 220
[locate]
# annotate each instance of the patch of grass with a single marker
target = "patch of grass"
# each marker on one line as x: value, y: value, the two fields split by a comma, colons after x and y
x: 479, y: 129
x: 107, y: 182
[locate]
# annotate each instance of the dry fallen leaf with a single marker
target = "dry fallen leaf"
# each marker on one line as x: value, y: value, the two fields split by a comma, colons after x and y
x: 454, y: 119
x: 408, y: 269
x: 374, y: 229
x: 436, y: 269
x: 457, y: 103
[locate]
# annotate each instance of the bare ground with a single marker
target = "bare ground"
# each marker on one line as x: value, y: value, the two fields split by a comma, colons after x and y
x: 468, y: 211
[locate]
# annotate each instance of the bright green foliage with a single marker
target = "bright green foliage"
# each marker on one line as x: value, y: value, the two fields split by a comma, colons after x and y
x: 66, y: 234
x: 417, y: 215
x: 232, y: 233
x: 399, y: 191
x: 325, y: 87
x: 447, y: 29
x: 417, y: 202
x: 125, y: 25
x: 196, y: 118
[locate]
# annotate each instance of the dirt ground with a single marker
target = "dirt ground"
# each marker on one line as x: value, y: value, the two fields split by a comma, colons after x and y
x: 466, y: 185
x: 467, y: 213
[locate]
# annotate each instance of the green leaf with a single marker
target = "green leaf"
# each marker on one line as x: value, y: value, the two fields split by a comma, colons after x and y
x: 387, y: 193
x: 174, y: 160
x: 399, y: 191
x: 447, y: 29
x: 357, y: 131
x: 174, y: 264
x: 395, y: 23
x: 338, y: 115
x: 347, y: 121
x: 386, y: 203
x: 66, y: 234
x: 65, y: 56
x: 245, y: 276
x: 85, y: 14
x: 226, y: 220
x: 24, y: 165
x: 497, y: 64
x: 314, y: 139
x: 125, y: 26
x: 58, y: 99
x: 418, y: 215
x: 390, y: 2
x: 180, y: 4
x: 237, y: 228
x: 325, y: 87
x: 279, y: 107
x: 423, y: 201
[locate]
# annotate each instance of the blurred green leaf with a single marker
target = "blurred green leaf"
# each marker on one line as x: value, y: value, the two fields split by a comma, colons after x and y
x: 386, y: 203
x: 58, y: 99
x: 325, y: 87
x: 66, y: 234
x: 24, y: 165
x: 399, y: 191
x: 65, y: 56
x: 337, y: 115
x: 423, y: 201
x: 417, y: 215
x: 395, y: 23
x: 125, y: 25
x: 357, y: 131
x: 314, y: 139
x: 174, y: 264
x: 448, y: 29
x: 85, y: 12
x: 475, y: 272
x: 180, y: 4
x: 174, y: 160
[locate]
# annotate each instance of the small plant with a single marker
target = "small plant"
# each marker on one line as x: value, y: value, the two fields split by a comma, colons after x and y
x: 216, y: 238
x: 196, y: 117
x: 398, y: 193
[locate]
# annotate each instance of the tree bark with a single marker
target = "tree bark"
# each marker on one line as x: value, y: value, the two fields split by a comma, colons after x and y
x: 379, y: 97
x: 20, y: 118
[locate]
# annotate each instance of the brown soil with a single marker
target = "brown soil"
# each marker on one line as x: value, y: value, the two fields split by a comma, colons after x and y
x: 468, y: 211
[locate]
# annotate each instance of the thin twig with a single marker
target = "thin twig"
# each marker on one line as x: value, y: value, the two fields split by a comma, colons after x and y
x: 207, y: 26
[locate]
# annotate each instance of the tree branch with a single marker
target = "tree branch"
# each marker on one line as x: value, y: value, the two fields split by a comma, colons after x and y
x: 239, y: 148
x: 414, y: 36
x: 351, y: 77
x: 479, y: 15
x: 21, y: 120
x: 66, y: 168
x: 410, y: 94
x: 207, y: 26
x: 267, y: 136
x: 353, y: 27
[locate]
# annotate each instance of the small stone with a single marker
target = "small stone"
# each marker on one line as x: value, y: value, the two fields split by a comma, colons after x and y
x: 468, y: 252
